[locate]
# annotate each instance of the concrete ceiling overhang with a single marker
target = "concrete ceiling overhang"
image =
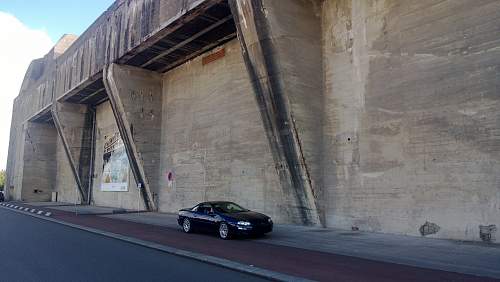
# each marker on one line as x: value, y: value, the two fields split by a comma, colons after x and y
x: 197, y: 32
x: 43, y: 116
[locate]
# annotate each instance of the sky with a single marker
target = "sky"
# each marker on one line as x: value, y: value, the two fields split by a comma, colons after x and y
x: 28, y: 30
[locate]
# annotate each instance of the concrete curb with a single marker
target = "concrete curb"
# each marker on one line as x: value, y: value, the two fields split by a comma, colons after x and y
x: 240, y: 267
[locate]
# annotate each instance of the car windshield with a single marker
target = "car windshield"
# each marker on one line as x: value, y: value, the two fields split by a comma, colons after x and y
x: 228, y: 207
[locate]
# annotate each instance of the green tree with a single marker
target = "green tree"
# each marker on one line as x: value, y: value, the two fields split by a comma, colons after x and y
x: 2, y: 179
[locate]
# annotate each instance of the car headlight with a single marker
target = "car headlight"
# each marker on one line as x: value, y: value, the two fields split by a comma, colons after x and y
x: 244, y: 223
x: 269, y: 220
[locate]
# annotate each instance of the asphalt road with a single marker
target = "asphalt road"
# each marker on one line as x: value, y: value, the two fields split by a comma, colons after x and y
x: 35, y: 250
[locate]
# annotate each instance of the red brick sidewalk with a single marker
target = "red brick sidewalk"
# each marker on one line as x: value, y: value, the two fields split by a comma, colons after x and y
x: 288, y: 260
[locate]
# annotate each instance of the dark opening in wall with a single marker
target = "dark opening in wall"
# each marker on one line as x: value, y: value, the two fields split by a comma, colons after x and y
x: 487, y: 232
x: 429, y: 228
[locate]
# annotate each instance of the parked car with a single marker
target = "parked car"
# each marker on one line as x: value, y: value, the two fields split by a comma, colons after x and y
x: 2, y: 197
x: 226, y: 218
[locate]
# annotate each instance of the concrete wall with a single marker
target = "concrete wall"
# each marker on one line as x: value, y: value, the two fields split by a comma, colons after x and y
x: 39, y: 162
x: 213, y: 139
x: 412, y: 120
x: 106, y: 125
x: 65, y: 180
x: 135, y: 95
x: 281, y: 45
x: 74, y: 124
x: 295, y: 29
x: 388, y: 110
x: 14, y: 160
x: 116, y: 35
x: 35, y: 97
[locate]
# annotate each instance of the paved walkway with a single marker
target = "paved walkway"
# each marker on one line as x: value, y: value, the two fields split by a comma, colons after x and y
x: 94, y: 210
x: 81, y: 209
x: 465, y: 257
x: 314, y: 253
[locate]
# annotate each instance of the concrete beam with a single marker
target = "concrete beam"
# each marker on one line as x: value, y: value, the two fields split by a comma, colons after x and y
x: 136, y: 99
x: 75, y: 126
x: 264, y: 28
x: 187, y: 41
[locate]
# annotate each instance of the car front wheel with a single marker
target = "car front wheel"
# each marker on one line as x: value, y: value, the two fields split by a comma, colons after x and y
x: 224, y: 232
x: 186, y: 225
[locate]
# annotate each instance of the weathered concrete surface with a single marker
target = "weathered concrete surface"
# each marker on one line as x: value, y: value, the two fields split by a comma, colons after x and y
x: 39, y: 162
x: 120, y: 33
x: 36, y: 93
x: 76, y: 61
x: 287, y: 83
x: 131, y: 199
x: 65, y: 186
x: 123, y: 27
x: 74, y: 124
x: 35, y: 96
x: 213, y: 140
x: 412, y: 120
x: 136, y: 98
x: 371, y: 115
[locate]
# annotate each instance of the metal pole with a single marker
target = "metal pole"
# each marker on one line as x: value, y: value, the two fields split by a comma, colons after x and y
x: 139, y: 186
x: 76, y: 200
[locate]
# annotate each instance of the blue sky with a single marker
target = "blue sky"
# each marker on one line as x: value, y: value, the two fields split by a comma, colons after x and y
x: 57, y: 17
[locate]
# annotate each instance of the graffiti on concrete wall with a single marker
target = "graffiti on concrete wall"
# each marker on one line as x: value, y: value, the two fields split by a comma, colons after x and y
x: 115, y: 165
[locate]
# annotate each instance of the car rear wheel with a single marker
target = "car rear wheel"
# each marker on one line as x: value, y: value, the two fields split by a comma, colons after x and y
x: 224, y: 232
x: 186, y: 225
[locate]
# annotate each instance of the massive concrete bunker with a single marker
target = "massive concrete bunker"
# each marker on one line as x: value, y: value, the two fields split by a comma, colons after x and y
x: 371, y: 115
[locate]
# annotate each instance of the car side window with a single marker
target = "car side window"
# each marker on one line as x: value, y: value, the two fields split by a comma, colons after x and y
x: 205, y: 209
x: 202, y: 209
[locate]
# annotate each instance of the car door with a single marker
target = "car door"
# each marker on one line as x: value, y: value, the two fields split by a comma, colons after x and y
x: 211, y: 220
x: 202, y: 217
x: 195, y: 217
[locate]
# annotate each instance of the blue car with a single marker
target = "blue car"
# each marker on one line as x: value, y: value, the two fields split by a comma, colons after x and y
x: 226, y: 218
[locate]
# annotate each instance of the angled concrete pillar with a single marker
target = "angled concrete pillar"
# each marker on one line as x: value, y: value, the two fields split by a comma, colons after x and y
x: 136, y: 99
x: 75, y: 126
x: 39, y: 163
x: 281, y: 46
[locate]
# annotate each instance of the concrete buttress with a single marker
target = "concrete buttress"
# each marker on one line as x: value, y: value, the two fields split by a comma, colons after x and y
x: 74, y: 124
x: 135, y: 96
x: 283, y: 60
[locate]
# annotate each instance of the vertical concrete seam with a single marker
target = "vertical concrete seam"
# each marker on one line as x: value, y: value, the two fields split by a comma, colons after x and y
x: 92, y: 111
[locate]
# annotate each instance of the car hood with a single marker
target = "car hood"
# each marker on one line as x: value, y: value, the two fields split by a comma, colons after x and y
x: 248, y: 216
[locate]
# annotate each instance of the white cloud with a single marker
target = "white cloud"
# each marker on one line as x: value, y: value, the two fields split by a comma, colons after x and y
x: 19, y: 45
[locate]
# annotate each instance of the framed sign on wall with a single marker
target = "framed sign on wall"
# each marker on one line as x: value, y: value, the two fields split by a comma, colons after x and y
x: 115, y: 165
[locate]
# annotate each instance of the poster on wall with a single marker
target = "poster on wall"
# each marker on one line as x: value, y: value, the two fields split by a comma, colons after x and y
x: 115, y: 165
